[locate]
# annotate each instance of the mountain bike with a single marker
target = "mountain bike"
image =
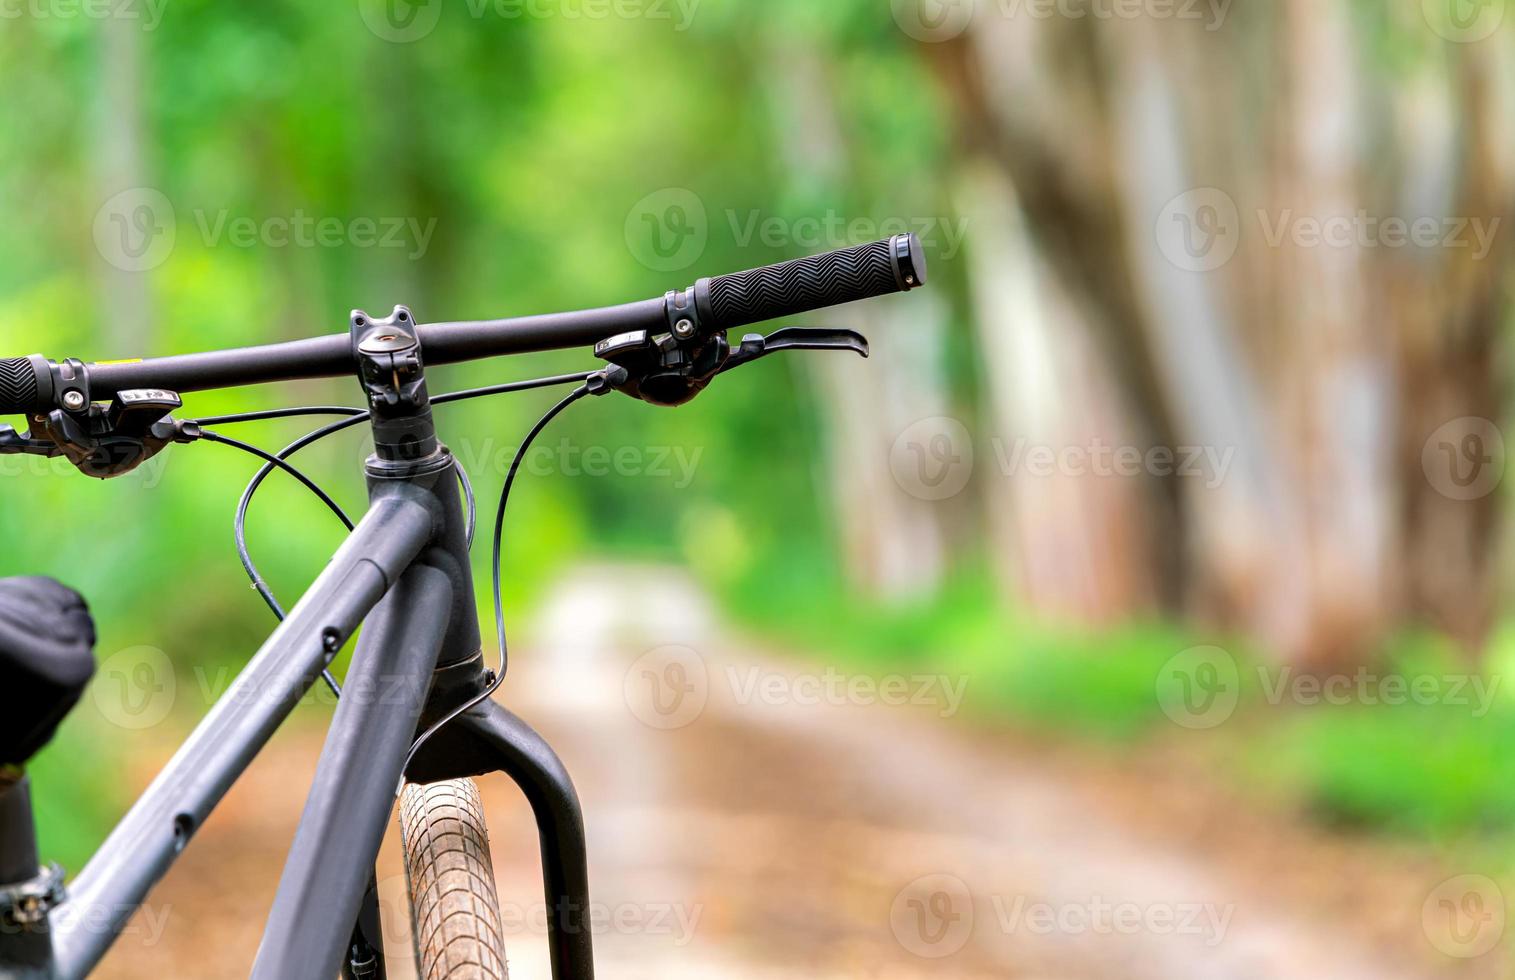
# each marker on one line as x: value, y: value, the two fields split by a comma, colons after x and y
x: 414, y: 716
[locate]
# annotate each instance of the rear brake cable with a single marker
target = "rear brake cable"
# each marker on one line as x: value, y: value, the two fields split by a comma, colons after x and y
x: 354, y: 416
x: 496, y: 588
x: 211, y: 436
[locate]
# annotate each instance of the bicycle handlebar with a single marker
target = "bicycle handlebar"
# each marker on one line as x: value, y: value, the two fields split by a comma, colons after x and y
x: 21, y: 384
x: 894, y: 265
x: 30, y: 384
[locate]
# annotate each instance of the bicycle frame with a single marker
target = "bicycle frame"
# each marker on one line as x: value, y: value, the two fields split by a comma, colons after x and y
x: 404, y: 571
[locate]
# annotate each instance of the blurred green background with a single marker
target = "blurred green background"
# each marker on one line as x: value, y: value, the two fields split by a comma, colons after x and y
x: 1146, y: 232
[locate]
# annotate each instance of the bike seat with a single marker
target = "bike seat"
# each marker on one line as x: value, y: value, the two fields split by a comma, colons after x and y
x: 47, y: 641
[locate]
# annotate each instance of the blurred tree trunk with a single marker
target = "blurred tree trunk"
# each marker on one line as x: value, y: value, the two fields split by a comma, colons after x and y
x: 1072, y: 538
x: 127, y: 296
x: 894, y: 542
x: 1294, y: 353
x: 1448, y: 308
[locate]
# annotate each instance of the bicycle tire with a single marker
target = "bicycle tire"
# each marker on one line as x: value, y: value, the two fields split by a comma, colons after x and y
x: 454, y: 908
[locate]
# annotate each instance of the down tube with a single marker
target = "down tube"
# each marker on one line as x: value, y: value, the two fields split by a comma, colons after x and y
x: 139, y: 851
x: 331, y: 861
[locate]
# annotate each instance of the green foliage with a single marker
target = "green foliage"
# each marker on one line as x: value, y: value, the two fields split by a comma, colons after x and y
x: 527, y: 141
x: 1440, y: 771
x: 1423, y: 770
x: 78, y: 790
x: 1442, y: 767
x: 1077, y: 682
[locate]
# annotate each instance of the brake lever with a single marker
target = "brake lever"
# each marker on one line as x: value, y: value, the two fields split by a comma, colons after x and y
x: 13, y: 443
x: 755, y: 345
x: 101, y: 441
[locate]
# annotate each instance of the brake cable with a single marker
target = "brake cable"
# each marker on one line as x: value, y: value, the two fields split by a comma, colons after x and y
x: 211, y: 436
x: 357, y: 416
x: 496, y: 588
x: 354, y: 416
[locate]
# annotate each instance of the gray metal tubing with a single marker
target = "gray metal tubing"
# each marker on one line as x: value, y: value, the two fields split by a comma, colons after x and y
x: 140, y: 850
x: 331, y: 861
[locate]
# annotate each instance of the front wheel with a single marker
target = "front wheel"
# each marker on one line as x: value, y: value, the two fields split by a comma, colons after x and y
x: 454, y: 910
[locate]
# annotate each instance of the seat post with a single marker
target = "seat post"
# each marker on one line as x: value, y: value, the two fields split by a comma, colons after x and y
x: 18, y: 833
x: 27, y: 891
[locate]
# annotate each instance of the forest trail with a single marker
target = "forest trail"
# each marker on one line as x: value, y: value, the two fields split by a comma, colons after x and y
x: 752, y: 818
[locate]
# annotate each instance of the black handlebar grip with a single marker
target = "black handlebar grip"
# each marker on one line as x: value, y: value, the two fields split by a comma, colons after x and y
x: 894, y: 265
x: 26, y: 385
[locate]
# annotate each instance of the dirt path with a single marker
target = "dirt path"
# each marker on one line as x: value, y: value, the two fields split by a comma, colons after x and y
x: 750, y: 819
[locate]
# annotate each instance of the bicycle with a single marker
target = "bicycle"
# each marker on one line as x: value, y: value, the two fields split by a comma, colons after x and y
x: 403, y: 574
